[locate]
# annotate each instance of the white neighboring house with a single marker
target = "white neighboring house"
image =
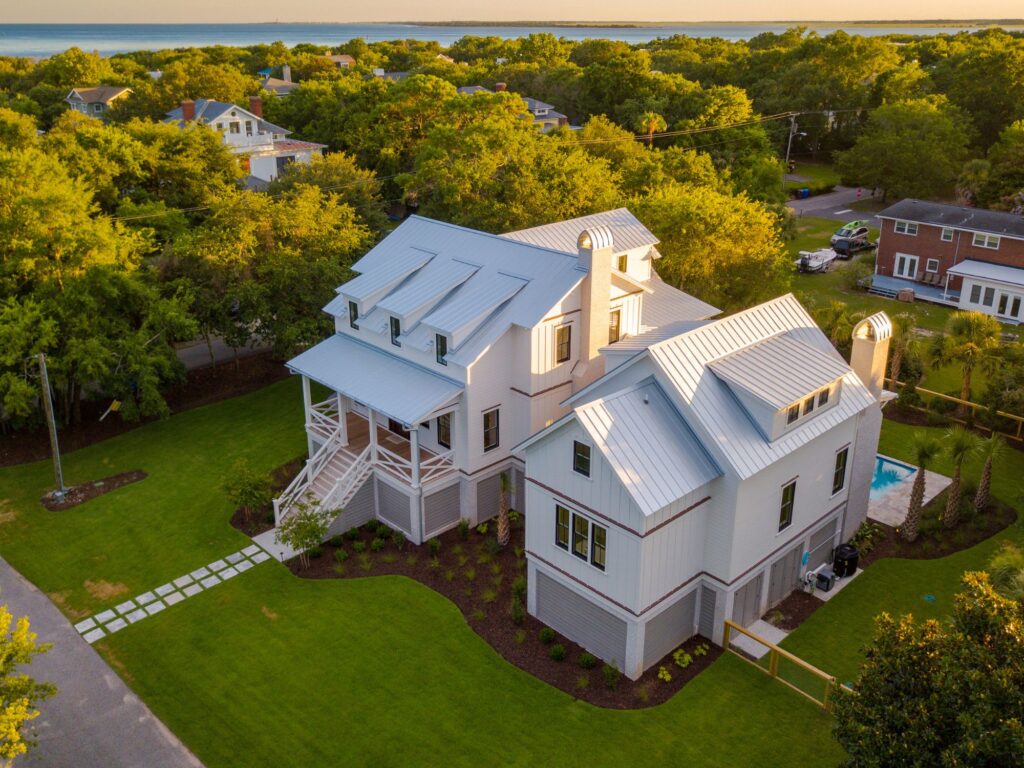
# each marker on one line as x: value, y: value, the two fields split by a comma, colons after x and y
x: 97, y: 101
x: 264, y: 147
x: 454, y: 345
x: 689, y: 483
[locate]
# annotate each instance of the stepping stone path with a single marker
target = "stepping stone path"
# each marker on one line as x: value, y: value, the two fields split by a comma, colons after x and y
x: 166, y: 595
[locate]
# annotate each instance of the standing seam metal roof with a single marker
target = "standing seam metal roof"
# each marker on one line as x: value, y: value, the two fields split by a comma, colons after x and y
x: 627, y: 231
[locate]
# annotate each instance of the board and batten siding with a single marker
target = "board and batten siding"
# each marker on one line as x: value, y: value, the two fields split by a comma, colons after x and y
x: 746, y: 606
x: 359, y: 511
x: 569, y: 613
x: 670, y: 628
x: 441, y: 510
x: 784, y: 575
x: 395, y: 506
x: 674, y: 553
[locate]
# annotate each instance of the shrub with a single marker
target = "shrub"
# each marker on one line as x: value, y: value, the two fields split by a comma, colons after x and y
x: 377, y: 544
x: 866, y: 537
x: 489, y: 596
x: 642, y: 693
x: 304, y: 529
x: 399, y: 539
x: 582, y: 682
x: 682, y: 659
x: 336, y: 540
x: 269, y: 517
x: 371, y: 526
x: 496, y: 569
x: 248, y: 489
x: 412, y: 558
x: 315, y: 551
x: 519, y: 551
x: 383, y: 531
x: 587, y: 660
x: 546, y: 635
x: 557, y: 652
x: 513, y: 516
x: 449, y: 575
x: 365, y: 562
x: 462, y: 560
x: 520, y: 637
x: 389, y: 557
x: 482, y: 529
x: 340, y: 555
x: 353, y: 534
x: 434, y: 546
x: 701, y: 650
x: 517, y: 612
x: 611, y: 676
x: 664, y: 675
x: 496, y: 581
x: 358, y: 546
x: 469, y: 574
x: 463, y: 529
x: 478, y: 615
x: 519, y: 587
x: 492, y: 546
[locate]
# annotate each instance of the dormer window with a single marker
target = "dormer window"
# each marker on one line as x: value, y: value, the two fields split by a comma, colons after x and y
x: 793, y: 415
x: 440, y: 348
x: 396, y: 331
x: 623, y: 265
x: 823, y: 397
x: 353, y: 315
x: 808, y: 405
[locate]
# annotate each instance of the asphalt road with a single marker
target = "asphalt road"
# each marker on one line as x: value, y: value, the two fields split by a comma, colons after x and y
x: 94, y: 720
x: 834, y: 205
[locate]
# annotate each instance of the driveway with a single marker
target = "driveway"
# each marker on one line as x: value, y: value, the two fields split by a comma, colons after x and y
x: 834, y: 205
x: 94, y: 720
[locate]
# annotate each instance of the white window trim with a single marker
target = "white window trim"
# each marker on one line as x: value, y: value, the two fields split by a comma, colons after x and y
x: 928, y: 266
x: 986, y: 240
x: 943, y: 237
x: 909, y: 228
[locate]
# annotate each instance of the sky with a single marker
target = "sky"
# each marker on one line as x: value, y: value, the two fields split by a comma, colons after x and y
x: 151, y: 11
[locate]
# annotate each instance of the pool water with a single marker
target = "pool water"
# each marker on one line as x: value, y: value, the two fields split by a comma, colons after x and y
x: 888, y: 473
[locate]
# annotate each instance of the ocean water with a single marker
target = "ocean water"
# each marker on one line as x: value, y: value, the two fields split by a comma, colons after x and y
x: 46, y: 39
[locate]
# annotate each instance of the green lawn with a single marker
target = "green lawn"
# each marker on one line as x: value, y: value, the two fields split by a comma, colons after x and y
x: 268, y: 669
x: 833, y: 636
x: 818, y: 175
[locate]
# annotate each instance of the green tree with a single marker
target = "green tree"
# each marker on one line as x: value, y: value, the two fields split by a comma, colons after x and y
x: 925, y: 448
x: 960, y: 444
x: 16, y: 130
x: 902, y: 344
x: 247, y: 488
x: 724, y: 249
x: 650, y: 123
x: 931, y: 693
x: 504, y: 532
x: 1006, y: 569
x: 20, y: 695
x: 890, y: 151
x: 304, y: 528
x: 969, y: 341
x: 1004, y: 181
x: 990, y: 451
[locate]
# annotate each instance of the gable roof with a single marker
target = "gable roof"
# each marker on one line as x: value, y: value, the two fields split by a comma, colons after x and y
x: 648, y: 445
x: 627, y: 231
x: 208, y: 111
x: 100, y: 94
x: 956, y: 217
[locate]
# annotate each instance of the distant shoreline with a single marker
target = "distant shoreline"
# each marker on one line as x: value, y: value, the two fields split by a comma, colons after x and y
x: 895, y: 23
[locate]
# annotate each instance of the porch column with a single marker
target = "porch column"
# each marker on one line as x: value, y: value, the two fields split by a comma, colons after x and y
x: 342, y: 418
x: 371, y: 418
x: 307, y: 412
x: 414, y: 455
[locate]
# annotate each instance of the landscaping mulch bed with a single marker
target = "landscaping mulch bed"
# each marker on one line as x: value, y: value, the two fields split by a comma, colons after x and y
x: 79, y: 494
x: 481, y: 583
x: 910, y: 416
x: 791, y: 612
x: 261, y: 520
x: 200, y: 387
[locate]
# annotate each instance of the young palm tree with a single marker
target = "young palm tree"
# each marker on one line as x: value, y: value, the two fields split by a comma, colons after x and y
x: 901, y: 343
x: 969, y: 341
x: 926, y: 448
x: 960, y: 443
x: 650, y: 123
x: 504, y: 533
x: 990, y: 450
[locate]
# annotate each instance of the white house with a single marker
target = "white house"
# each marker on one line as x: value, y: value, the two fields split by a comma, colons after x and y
x: 96, y: 101
x: 263, y: 147
x: 699, y: 478
x: 545, y: 116
x: 451, y: 347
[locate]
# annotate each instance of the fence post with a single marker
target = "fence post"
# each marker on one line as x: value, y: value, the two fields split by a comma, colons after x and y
x: 773, y: 663
x: 827, y: 701
x: 725, y: 636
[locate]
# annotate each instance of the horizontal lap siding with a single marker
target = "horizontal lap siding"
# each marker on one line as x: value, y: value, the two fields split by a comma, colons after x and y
x: 583, y: 622
x: 669, y: 629
x: 394, y: 506
x: 358, y: 511
x: 441, y: 510
x: 708, y: 601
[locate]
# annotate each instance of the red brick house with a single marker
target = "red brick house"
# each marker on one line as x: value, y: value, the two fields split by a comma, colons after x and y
x: 967, y: 257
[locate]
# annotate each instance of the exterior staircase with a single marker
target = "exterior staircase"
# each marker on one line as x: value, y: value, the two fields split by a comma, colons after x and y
x: 332, y: 476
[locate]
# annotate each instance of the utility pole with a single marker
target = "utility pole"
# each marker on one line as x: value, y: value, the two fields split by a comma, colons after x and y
x: 52, y: 423
x: 789, y: 142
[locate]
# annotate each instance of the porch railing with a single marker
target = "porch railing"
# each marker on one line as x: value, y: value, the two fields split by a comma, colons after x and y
x: 342, y: 492
x: 324, y: 417
x: 436, y: 465
x: 297, y: 487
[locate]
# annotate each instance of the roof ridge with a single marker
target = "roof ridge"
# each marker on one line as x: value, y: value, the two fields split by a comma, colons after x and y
x: 786, y: 298
x: 502, y: 238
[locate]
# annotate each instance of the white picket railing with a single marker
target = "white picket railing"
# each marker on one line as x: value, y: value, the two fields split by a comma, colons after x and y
x: 436, y: 465
x: 347, y: 485
x: 298, y: 486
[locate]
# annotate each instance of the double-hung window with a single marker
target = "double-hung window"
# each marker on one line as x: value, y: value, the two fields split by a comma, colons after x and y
x: 905, y: 227
x: 839, y: 473
x: 598, y: 544
x: 614, y: 326
x: 561, y: 526
x: 563, y: 343
x: 491, y: 436
x: 440, y: 347
x: 444, y: 430
x: 581, y: 458
x: 586, y: 540
x: 353, y: 315
x: 786, y: 508
x: 580, y: 536
x: 983, y: 240
x: 947, y: 235
x: 396, y: 331
x: 931, y: 265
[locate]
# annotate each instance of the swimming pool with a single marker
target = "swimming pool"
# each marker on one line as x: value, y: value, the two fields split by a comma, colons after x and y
x: 888, y: 473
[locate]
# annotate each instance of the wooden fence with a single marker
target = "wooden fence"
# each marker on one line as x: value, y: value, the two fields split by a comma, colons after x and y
x: 806, y: 679
x: 1017, y: 434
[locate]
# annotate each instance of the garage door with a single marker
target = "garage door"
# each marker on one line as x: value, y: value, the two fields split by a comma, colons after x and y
x: 746, y: 606
x: 666, y: 631
x: 785, y: 575
x: 574, y: 616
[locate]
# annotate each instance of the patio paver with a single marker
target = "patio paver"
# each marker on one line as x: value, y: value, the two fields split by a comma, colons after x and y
x: 192, y: 589
x: 106, y: 616
x: 126, y: 607
x: 116, y: 625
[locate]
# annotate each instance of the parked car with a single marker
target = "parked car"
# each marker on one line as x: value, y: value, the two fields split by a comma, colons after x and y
x: 845, y: 247
x: 851, y: 229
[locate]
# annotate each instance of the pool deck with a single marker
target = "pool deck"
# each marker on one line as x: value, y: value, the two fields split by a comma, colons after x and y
x: 891, y: 509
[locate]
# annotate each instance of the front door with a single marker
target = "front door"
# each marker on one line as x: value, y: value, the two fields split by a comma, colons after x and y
x: 906, y: 266
x: 397, y: 428
x: 1009, y: 305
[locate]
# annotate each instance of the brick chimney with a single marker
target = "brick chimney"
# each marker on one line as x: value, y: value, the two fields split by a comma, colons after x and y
x: 871, y: 351
x: 188, y: 111
x: 500, y: 87
x: 286, y: 73
x: 595, y: 257
x: 256, y: 105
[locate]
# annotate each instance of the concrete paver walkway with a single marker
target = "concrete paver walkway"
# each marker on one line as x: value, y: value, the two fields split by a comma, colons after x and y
x: 94, y: 720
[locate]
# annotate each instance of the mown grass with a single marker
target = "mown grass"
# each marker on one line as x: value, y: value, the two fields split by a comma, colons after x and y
x: 817, y: 174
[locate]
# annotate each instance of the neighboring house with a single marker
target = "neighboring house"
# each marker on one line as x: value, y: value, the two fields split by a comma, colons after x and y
x: 451, y: 347
x: 967, y: 257
x: 544, y: 115
x: 341, y: 60
x: 97, y: 101
x: 699, y: 479
x: 264, y: 147
x: 392, y: 76
x: 280, y: 86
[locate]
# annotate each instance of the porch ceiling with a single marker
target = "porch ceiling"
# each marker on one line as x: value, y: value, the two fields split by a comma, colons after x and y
x: 397, y: 388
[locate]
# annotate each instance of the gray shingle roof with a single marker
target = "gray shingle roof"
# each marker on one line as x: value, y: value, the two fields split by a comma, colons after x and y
x: 956, y: 217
